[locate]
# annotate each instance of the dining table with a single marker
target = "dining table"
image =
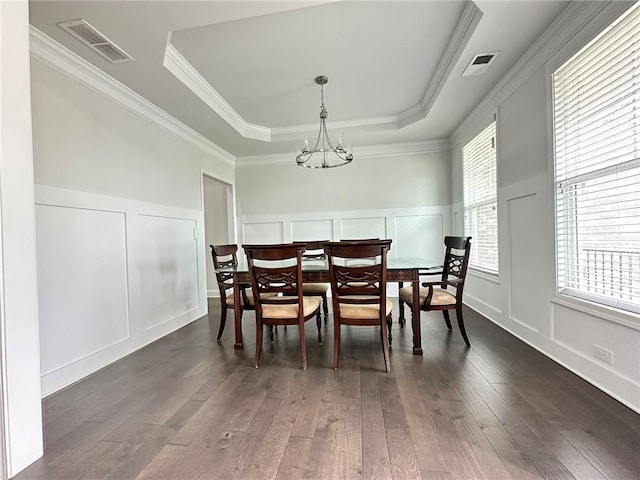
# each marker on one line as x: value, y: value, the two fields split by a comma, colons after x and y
x: 399, y: 270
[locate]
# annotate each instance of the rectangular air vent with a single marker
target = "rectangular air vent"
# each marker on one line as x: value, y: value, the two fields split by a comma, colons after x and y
x: 83, y: 31
x: 479, y: 63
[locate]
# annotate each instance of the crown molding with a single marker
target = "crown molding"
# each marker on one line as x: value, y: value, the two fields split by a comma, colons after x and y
x: 63, y: 60
x: 393, y: 150
x: 389, y: 122
x: 194, y: 81
x: 576, y: 19
x: 467, y: 23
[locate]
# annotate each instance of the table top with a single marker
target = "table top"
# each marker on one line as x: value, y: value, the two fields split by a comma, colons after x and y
x: 311, y: 265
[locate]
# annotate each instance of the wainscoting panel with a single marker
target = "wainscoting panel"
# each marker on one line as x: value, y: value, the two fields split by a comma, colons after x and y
x: 414, y: 231
x: 114, y: 274
x: 419, y: 235
x: 82, y: 283
x: 312, y: 229
x: 524, y: 256
x: 168, y: 261
x: 371, y: 227
x: 263, y: 232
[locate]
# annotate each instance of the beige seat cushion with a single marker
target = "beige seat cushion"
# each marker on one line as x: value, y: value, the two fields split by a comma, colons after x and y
x: 440, y: 296
x: 362, y: 311
x: 315, y: 288
x: 230, y: 298
x: 290, y: 310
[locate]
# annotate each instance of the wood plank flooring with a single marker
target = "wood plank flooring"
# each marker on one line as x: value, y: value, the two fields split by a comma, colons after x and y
x: 187, y: 407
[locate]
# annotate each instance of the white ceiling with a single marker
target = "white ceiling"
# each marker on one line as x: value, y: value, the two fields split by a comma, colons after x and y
x: 242, y: 73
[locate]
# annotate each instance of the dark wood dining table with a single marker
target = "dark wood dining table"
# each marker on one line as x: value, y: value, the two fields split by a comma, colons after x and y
x: 399, y: 270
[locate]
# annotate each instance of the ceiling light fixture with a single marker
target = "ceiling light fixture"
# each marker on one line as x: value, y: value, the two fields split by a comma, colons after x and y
x: 329, y: 156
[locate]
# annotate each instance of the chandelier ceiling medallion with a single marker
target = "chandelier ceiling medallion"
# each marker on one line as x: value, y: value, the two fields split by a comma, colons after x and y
x: 327, y: 156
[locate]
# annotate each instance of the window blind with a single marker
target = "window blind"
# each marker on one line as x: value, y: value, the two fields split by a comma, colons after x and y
x: 597, y: 168
x: 480, y: 199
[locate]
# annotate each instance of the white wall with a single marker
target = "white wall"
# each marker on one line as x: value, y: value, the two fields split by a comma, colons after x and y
x: 405, y: 198
x: 88, y: 142
x: 120, y: 223
x: 423, y: 180
x: 21, y: 425
x: 523, y: 299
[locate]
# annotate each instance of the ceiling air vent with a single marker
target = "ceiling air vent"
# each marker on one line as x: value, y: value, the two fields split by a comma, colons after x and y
x: 479, y: 63
x: 83, y: 31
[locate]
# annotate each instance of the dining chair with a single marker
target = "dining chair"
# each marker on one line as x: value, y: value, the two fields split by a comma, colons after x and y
x: 446, y: 293
x: 359, y: 289
x: 226, y: 256
x: 277, y: 269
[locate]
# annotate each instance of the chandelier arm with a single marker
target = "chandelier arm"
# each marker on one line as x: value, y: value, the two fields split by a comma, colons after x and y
x: 315, y: 147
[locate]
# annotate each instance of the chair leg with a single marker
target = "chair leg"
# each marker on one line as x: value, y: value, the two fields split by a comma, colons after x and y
x: 259, y: 340
x: 389, y: 324
x: 385, y: 349
x: 271, y: 333
x: 303, y: 346
x: 325, y: 307
x: 401, y: 319
x: 447, y: 320
x: 461, y: 325
x: 223, y: 319
x: 319, y: 325
x: 336, y: 344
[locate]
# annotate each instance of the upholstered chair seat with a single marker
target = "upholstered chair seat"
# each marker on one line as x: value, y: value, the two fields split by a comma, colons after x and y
x: 315, y: 288
x: 249, y: 297
x: 290, y: 310
x: 364, y: 311
x: 440, y: 296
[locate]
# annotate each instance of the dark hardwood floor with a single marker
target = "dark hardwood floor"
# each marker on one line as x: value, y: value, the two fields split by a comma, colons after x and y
x: 187, y: 407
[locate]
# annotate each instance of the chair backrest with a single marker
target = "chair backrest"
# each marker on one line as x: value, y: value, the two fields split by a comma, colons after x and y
x: 275, y: 268
x: 313, y: 249
x: 456, y: 258
x: 353, y: 283
x: 224, y: 256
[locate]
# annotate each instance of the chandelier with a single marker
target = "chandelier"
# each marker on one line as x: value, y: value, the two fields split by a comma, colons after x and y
x: 327, y: 156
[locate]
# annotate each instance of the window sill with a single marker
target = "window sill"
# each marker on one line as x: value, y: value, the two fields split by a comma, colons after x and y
x: 614, y: 315
x: 484, y: 275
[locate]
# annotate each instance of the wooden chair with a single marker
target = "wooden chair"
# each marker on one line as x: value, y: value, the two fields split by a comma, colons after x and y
x: 360, y: 290
x: 277, y: 269
x: 444, y: 294
x: 226, y: 256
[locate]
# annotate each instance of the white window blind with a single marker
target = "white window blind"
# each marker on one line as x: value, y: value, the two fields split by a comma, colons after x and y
x: 597, y: 168
x: 480, y: 199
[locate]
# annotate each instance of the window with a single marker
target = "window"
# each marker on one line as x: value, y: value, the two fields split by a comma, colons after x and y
x: 597, y: 168
x: 480, y: 200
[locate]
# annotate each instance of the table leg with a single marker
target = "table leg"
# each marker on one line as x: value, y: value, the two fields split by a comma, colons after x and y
x: 237, y: 319
x: 415, y: 319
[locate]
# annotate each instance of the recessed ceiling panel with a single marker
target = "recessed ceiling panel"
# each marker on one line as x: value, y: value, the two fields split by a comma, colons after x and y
x: 379, y: 57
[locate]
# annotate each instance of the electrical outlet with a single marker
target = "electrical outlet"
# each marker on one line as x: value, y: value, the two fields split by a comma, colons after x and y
x: 603, y: 354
